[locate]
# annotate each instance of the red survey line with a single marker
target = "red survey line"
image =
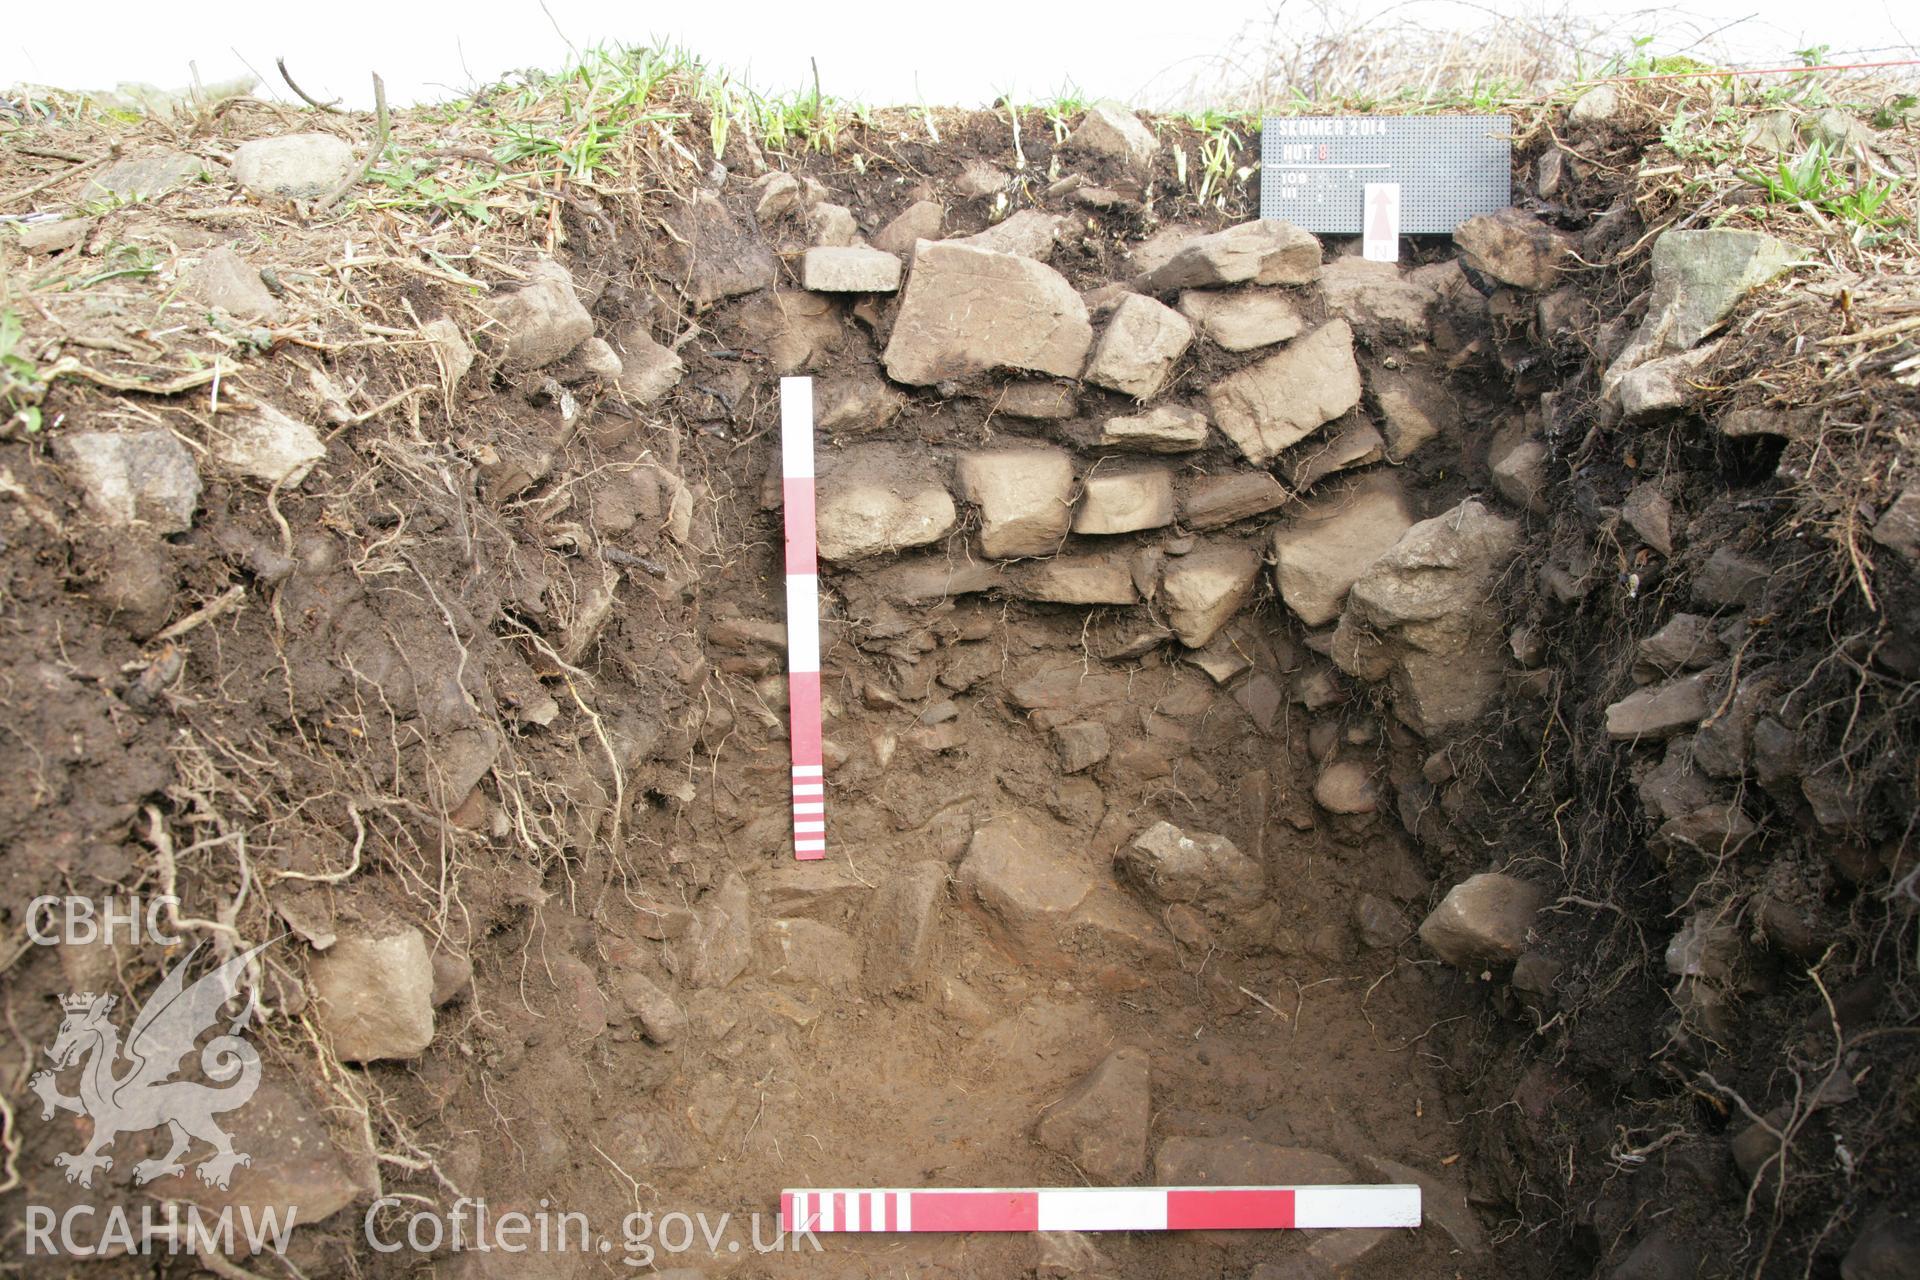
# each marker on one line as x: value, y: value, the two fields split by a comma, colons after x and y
x: 803, y: 620
x: 903, y: 1209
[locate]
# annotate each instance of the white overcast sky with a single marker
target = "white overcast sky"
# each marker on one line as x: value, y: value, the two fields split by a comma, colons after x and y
x: 962, y: 54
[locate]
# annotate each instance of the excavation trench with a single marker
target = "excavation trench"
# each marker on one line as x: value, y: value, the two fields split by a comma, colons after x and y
x: 1288, y: 719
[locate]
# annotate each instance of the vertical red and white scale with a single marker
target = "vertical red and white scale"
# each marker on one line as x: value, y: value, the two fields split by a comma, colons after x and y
x: 803, y: 620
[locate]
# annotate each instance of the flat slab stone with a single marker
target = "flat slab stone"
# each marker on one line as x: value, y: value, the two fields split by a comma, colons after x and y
x: 1243, y: 320
x: 1105, y: 578
x: 1279, y: 401
x: 968, y: 311
x: 143, y: 177
x: 1114, y: 500
x: 1207, y: 502
x: 850, y: 269
x: 1170, y: 428
x: 1029, y: 233
x: 1663, y: 710
x: 1240, y: 1161
x: 1262, y: 252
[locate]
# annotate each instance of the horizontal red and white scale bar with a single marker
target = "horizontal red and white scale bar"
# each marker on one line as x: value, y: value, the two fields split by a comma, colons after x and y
x: 803, y: 620
x: 1100, y: 1208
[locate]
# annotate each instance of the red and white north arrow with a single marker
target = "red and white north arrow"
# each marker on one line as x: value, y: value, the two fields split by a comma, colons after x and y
x: 1099, y: 1208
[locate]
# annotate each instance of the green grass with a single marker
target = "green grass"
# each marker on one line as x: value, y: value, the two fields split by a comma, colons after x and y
x: 21, y: 386
x: 1812, y: 181
x: 418, y: 188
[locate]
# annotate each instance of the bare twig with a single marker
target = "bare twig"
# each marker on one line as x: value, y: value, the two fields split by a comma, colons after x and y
x: 383, y: 127
x: 331, y: 107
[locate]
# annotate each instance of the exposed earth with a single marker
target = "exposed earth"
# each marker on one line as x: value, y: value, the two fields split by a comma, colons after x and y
x: 1290, y: 719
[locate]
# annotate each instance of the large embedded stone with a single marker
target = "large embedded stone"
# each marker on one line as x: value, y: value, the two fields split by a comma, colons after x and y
x: 1239, y: 1161
x: 1023, y: 885
x: 856, y: 402
x: 314, y: 1173
x: 1207, y: 502
x: 967, y: 311
x: 1024, y: 496
x: 1202, y: 869
x: 1520, y: 475
x: 1665, y: 384
x: 1699, y: 277
x: 1321, y: 553
x: 1899, y: 525
x: 1422, y: 617
x: 1413, y: 410
x: 541, y: 322
x: 718, y: 946
x: 855, y: 268
x: 1346, y: 786
x: 1377, y: 299
x: 375, y: 995
x: 1285, y: 397
x: 1100, y: 578
x: 1171, y: 428
x: 921, y: 220
x: 1663, y: 710
x: 1264, y: 252
x: 1356, y: 443
x: 795, y: 329
x: 1242, y: 320
x: 1035, y: 399
x: 874, y: 500
x: 142, y: 177
x: 1483, y: 920
x: 711, y: 257
x: 899, y: 926
x: 648, y: 370
x: 1138, y: 347
x: 1029, y: 233
x: 1110, y: 129
x: 296, y: 166
x: 1516, y: 248
x: 226, y: 282
x: 267, y: 445
x: 133, y: 477
x: 1125, y: 501
x: 1206, y: 587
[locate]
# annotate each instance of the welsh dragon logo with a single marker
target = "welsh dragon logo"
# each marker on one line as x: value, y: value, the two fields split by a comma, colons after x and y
x: 144, y: 1095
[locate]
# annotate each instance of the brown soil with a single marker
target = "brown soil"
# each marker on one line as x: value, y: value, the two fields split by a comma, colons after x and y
x: 441, y: 586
